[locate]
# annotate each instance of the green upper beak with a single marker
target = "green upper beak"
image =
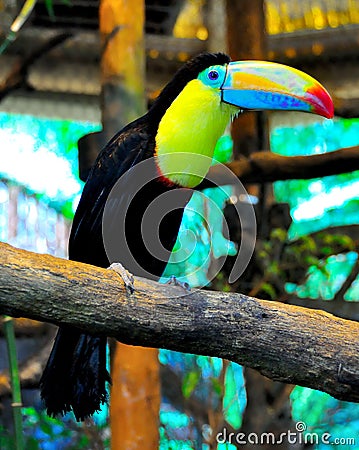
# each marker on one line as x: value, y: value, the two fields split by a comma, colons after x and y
x: 260, y: 85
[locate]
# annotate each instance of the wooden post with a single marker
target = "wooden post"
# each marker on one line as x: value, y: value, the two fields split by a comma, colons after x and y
x: 122, y: 62
x: 135, y: 393
x: 135, y: 398
x: 246, y: 38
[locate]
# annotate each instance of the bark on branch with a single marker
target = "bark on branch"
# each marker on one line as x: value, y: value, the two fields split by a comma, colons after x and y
x: 284, y: 342
x: 265, y: 167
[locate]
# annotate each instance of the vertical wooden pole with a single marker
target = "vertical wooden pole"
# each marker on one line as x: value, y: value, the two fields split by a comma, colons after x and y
x: 217, y: 26
x: 135, y: 398
x: 246, y: 38
x: 135, y: 393
x: 122, y: 62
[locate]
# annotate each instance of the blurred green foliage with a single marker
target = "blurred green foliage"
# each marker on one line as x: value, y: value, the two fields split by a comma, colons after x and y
x: 315, y: 206
x: 42, y: 432
x: 41, y: 155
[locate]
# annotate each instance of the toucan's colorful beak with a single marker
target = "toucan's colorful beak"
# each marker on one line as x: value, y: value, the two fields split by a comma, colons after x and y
x: 266, y: 85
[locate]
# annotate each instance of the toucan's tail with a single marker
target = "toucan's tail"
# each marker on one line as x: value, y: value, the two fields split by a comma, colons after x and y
x: 75, y: 375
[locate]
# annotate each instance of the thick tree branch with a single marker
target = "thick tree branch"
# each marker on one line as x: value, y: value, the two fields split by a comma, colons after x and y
x: 347, y: 108
x: 284, y: 342
x: 339, y: 296
x: 17, y: 77
x: 264, y: 167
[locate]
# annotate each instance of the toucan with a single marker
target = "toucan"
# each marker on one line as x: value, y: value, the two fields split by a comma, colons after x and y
x: 186, y: 120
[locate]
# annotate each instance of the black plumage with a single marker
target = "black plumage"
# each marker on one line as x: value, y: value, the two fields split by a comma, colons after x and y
x: 75, y: 376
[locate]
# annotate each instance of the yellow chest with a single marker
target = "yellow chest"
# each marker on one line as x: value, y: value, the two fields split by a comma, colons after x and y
x: 188, y: 132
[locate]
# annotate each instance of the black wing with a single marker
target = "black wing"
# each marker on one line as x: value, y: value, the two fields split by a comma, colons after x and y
x: 131, y: 145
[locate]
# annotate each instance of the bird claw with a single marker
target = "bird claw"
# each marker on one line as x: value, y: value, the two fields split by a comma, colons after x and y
x: 183, y: 284
x: 126, y: 276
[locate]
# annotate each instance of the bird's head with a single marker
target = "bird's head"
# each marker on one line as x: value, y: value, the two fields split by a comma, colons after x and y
x: 262, y: 85
x: 195, y: 107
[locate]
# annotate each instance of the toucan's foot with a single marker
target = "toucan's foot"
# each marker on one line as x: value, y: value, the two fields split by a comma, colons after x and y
x: 183, y: 284
x: 126, y: 276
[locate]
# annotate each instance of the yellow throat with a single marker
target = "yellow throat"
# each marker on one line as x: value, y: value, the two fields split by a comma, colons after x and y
x: 188, y: 132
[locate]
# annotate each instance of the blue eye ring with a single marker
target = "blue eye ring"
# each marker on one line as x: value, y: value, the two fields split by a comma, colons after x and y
x: 213, y: 75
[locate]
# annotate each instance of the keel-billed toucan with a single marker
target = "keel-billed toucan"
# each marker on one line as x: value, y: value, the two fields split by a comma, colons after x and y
x: 186, y: 120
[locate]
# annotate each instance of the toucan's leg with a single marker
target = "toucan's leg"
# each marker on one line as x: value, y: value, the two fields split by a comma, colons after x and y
x: 126, y: 276
x: 183, y: 284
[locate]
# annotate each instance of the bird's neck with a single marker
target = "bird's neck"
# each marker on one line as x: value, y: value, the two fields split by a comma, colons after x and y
x: 188, y: 132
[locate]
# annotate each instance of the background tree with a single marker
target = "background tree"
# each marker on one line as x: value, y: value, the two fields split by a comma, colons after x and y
x: 135, y: 390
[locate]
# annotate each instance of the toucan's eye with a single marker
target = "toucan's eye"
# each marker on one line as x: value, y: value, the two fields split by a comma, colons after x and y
x: 213, y: 75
